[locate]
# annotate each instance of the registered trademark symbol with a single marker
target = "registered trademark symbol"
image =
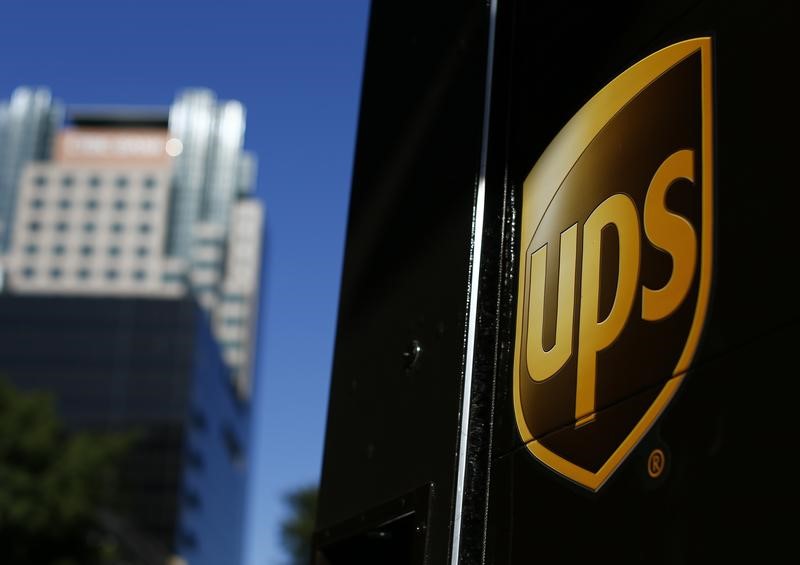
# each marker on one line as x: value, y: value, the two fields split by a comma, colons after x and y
x: 656, y: 463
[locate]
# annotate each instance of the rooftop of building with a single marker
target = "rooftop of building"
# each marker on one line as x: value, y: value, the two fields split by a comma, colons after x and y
x: 102, y: 116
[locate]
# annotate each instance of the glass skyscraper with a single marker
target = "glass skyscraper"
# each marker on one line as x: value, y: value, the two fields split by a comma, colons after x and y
x: 212, y: 168
x: 152, y: 367
x: 27, y: 124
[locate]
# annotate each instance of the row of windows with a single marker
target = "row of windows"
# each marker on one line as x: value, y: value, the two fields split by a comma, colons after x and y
x: 206, y: 265
x: 68, y: 181
x: 90, y: 227
x: 86, y: 250
x: 208, y: 242
x: 56, y: 273
x: 205, y: 288
x: 92, y: 204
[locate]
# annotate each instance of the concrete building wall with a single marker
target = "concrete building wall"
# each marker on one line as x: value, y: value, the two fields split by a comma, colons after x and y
x: 98, y: 229
x: 237, y: 313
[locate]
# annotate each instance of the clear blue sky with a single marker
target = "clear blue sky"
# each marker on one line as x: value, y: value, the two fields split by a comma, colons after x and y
x: 297, y: 66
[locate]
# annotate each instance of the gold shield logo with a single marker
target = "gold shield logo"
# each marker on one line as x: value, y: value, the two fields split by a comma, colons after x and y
x: 615, y: 265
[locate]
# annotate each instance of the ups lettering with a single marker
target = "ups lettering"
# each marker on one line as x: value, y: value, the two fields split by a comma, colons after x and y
x: 664, y: 229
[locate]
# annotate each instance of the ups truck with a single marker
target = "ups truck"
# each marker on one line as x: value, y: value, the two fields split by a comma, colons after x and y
x: 569, y: 313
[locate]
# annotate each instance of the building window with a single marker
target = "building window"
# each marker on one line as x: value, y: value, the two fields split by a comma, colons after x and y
x: 37, y: 203
x: 58, y: 249
x: 83, y: 274
x: 188, y: 540
x: 34, y: 226
x: 121, y: 182
x: 94, y: 181
x: 233, y: 446
x: 40, y: 180
x: 233, y: 322
x: 114, y: 251
x: 142, y: 251
x: 171, y: 277
x: 139, y: 275
x: 28, y: 272
x: 204, y: 288
x: 120, y: 205
x: 91, y: 204
x: 117, y: 227
x: 64, y: 204
x: 89, y: 227
x: 149, y: 182
x: 112, y: 274
x: 55, y: 273
x: 205, y: 265
x: 67, y: 181
x: 87, y: 250
x: 194, y: 458
x: 31, y: 249
x: 144, y: 228
x: 62, y: 227
x: 147, y: 205
x: 191, y: 499
x: 199, y: 420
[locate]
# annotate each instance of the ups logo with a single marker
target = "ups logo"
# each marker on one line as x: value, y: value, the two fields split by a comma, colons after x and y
x: 615, y: 265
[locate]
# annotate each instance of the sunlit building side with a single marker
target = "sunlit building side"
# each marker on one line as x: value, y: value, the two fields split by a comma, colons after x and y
x: 94, y: 228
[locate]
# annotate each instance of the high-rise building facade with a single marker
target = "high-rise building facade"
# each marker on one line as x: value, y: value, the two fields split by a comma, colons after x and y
x: 151, y: 367
x: 133, y: 202
x: 96, y: 229
x: 27, y: 123
x: 130, y: 260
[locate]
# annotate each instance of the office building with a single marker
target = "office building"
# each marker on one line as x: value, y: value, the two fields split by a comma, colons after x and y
x: 130, y: 260
x: 134, y: 202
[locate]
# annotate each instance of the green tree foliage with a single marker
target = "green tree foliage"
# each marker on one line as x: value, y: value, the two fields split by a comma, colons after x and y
x: 297, y: 528
x: 51, y: 484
